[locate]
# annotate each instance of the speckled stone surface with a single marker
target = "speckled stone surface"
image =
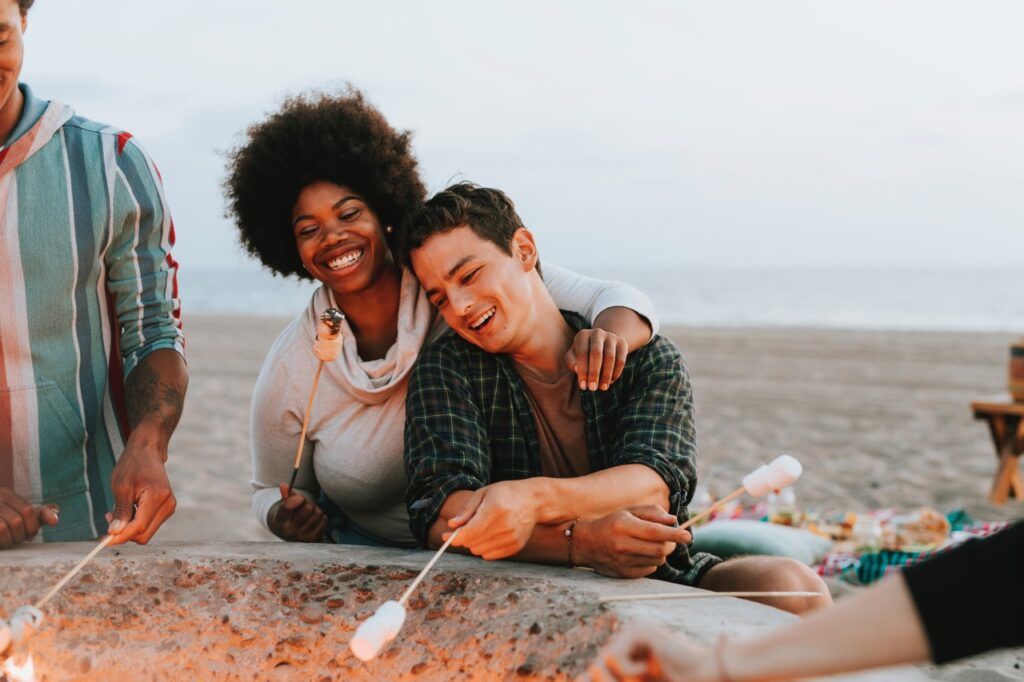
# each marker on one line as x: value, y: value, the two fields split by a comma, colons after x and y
x: 286, y: 611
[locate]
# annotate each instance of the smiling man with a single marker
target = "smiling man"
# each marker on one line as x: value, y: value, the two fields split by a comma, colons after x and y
x: 92, y: 377
x: 502, y: 445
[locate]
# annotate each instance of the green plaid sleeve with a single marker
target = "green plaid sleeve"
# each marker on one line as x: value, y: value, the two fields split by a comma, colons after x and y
x: 446, y: 447
x: 656, y: 421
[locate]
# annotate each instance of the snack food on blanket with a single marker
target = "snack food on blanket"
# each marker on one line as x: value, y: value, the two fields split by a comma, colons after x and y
x: 922, y: 529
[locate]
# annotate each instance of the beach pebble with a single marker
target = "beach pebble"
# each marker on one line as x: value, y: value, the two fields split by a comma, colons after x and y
x: 312, y: 615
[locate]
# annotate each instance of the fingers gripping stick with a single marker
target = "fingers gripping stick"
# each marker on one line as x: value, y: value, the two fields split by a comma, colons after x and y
x: 783, y: 471
x: 326, y: 348
x: 383, y: 626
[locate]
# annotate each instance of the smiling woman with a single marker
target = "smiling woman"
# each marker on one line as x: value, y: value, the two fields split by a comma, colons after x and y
x: 318, y: 190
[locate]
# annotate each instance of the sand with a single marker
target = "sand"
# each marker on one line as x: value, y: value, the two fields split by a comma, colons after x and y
x: 879, y: 419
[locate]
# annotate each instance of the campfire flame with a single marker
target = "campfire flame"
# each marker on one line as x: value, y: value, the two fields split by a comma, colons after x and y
x: 19, y: 673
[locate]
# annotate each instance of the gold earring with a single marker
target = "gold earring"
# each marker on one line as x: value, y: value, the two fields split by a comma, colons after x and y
x: 389, y: 229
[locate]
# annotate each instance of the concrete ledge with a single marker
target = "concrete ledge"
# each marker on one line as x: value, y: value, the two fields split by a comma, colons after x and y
x: 286, y: 611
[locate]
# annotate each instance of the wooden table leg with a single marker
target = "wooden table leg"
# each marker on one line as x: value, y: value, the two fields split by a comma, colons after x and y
x: 1015, y: 447
x: 1009, y: 441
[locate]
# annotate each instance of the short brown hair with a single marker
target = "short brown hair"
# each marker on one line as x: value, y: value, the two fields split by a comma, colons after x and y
x: 488, y: 212
x: 25, y: 5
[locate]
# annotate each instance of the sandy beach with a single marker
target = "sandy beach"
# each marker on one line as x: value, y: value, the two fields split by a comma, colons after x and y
x: 879, y: 419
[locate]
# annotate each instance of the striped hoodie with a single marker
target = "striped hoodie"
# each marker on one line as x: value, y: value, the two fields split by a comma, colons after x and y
x: 87, y: 289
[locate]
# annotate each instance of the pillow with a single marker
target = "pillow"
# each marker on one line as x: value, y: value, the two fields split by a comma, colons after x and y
x: 740, y: 537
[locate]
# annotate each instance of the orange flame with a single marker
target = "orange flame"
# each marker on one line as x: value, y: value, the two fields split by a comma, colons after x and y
x: 20, y: 673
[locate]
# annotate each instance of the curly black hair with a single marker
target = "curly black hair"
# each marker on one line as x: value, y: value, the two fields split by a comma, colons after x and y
x: 337, y: 138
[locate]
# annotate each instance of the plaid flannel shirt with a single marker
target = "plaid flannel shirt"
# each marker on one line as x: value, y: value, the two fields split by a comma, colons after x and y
x: 469, y: 423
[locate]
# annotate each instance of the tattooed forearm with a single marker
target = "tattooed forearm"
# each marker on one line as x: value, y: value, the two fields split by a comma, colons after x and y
x: 155, y: 391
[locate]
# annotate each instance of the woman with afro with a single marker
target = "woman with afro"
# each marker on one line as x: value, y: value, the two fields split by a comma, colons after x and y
x: 318, y: 190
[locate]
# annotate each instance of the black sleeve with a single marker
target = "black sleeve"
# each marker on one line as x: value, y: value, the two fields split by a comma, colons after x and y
x: 971, y: 598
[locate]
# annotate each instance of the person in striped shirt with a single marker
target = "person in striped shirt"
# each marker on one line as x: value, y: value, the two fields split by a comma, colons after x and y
x: 92, y: 373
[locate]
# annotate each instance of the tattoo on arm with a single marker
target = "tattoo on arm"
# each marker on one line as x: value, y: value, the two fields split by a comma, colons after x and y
x: 149, y: 395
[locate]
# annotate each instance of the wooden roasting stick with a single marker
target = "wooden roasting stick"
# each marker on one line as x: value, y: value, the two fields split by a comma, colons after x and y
x: 703, y: 595
x: 326, y: 347
x: 27, y: 619
x: 383, y: 626
x: 74, y: 571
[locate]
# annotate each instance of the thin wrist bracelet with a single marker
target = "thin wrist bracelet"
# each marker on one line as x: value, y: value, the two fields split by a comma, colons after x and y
x: 569, y: 531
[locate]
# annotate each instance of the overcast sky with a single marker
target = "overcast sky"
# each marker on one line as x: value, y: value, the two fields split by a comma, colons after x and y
x: 762, y: 133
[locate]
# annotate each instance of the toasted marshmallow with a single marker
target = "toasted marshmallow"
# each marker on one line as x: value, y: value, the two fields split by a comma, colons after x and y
x: 327, y: 346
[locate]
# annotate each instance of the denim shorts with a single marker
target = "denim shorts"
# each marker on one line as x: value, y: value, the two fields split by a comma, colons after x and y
x: 341, y: 530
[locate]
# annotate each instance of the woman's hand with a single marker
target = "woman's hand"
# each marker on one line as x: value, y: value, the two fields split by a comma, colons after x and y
x: 597, y: 358
x: 296, y: 519
x: 647, y: 653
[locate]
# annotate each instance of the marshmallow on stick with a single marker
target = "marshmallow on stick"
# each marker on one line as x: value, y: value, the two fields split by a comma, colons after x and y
x: 326, y: 348
x: 783, y: 471
x: 383, y: 626
x: 24, y: 623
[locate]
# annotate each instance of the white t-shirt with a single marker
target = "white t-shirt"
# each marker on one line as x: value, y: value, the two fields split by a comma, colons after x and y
x: 354, y: 441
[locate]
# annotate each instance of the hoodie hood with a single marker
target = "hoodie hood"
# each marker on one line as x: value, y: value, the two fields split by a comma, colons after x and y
x: 26, y: 141
x: 373, y: 381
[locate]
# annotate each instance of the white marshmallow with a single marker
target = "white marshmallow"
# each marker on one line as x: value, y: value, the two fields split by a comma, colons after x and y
x: 24, y: 623
x: 782, y: 472
x: 377, y: 630
x: 5, y: 636
x: 328, y: 342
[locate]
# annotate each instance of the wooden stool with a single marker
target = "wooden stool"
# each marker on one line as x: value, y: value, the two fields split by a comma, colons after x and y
x: 1006, y: 423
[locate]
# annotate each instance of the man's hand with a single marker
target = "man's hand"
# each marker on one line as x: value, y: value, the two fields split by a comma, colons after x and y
x: 648, y: 653
x: 630, y: 543
x: 20, y: 521
x: 296, y: 519
x: 140, y: 483
x: 596, y: 358
x: 155, y: 395
x: 497, y: 520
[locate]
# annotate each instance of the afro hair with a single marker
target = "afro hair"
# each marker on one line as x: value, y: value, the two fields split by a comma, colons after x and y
x: 336, y: 138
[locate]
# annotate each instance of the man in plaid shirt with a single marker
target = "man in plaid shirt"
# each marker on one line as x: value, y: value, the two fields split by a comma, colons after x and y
x: 501, y: 444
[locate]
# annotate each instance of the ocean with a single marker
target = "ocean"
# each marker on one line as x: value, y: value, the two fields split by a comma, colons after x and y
x: 962, y: 299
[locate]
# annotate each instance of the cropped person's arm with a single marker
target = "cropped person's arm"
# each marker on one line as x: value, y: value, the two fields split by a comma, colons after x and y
x: 275, y: 423
x: 912, y: 617
x: 142, y: 282
x: 591, y: 297
x: 622, y: 318
x: 446, y: 449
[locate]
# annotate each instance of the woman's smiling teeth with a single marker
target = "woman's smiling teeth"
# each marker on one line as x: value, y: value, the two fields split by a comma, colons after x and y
x: 345, y: 260
x: 479, y: 322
